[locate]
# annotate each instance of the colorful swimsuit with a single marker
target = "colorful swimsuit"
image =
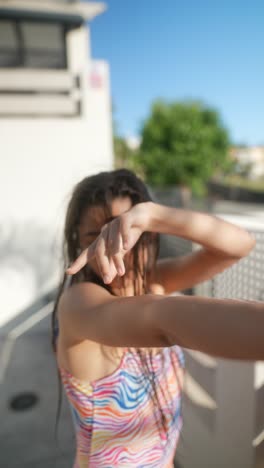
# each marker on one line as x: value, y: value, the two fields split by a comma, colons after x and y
x: 114, y: 416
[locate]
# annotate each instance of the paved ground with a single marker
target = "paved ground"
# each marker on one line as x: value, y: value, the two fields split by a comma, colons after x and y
x: 27, y: 436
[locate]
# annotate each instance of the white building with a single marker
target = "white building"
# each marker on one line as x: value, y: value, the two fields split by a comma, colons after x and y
x: 251, y: 157
x: 55, y: 129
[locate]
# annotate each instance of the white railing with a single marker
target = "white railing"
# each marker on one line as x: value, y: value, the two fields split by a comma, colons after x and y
x: 224, y: 400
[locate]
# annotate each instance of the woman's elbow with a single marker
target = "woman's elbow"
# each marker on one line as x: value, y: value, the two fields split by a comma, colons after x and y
x: 249, y: 245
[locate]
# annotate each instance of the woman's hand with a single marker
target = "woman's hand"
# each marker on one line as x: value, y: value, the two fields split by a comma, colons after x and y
x: 115, y: 240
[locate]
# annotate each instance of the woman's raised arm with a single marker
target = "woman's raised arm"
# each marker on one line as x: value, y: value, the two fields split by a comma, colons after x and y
x: 208, y: 230
x: 226, y: 240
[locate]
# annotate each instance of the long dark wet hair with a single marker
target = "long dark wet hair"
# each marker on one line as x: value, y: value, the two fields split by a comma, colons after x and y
x: 100, y: 190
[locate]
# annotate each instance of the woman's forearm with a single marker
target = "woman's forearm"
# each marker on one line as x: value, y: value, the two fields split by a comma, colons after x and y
x: 207, y: 230
x: 226, y: 328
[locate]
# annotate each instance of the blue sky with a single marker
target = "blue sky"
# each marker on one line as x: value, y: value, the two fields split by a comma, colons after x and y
x: 210, y: 50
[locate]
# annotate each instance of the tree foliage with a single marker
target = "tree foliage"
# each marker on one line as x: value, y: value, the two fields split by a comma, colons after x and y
x: 183, y: 143
x: 122, y: 152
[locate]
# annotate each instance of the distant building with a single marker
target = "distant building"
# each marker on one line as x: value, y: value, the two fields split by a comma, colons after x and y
x: 133, y: 142
x: 55, y: 123
x: 251, y: 157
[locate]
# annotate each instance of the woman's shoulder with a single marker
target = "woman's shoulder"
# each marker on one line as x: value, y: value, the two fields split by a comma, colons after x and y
x: 82, y: 287
x: 85, y: 294
x: 73, y: 308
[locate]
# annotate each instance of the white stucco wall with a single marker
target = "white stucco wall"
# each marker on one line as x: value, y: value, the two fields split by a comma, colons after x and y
x: 41, y: 160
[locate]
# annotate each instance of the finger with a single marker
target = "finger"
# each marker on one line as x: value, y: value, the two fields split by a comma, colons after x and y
x: 86, y: 255
x: 119, y: 264
x: 110, y: 239
x: 115, y: 247
x: 125, y: 230
x: 113, y: 272
x: 104, y: 227
x: 81, y: 261
x: 117, y: 252
x: 102, y: 258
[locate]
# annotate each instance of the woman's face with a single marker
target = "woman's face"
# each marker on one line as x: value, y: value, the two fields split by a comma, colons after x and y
x: 93, y: 220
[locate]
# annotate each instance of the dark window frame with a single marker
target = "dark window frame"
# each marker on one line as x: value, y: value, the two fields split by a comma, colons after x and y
x: 21, y: 50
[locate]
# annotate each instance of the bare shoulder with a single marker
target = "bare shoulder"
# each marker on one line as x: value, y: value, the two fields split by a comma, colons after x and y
x: 76, y: 309
x: 76, y: 302
x: 90, y: 294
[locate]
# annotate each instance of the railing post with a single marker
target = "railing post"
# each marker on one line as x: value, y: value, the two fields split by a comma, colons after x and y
x: 235, y: 417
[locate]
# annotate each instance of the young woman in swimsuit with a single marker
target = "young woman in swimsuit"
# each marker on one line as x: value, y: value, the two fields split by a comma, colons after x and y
x: 117, y: 331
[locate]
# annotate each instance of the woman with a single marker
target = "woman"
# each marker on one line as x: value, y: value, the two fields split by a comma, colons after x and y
x: 113, y: 326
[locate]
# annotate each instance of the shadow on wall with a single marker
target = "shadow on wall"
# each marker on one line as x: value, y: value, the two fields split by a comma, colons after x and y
x: 29, y: 262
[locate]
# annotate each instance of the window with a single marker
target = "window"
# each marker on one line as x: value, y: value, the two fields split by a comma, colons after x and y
x: 43, y: 45
x: 8, y: 44
x: 32, y: 44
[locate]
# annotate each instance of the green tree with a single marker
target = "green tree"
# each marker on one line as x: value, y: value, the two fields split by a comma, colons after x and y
x: 123, y: 154
x: 184, y: 144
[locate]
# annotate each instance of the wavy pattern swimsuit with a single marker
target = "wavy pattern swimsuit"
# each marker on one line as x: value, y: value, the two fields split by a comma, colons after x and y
x: 114, y: 417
